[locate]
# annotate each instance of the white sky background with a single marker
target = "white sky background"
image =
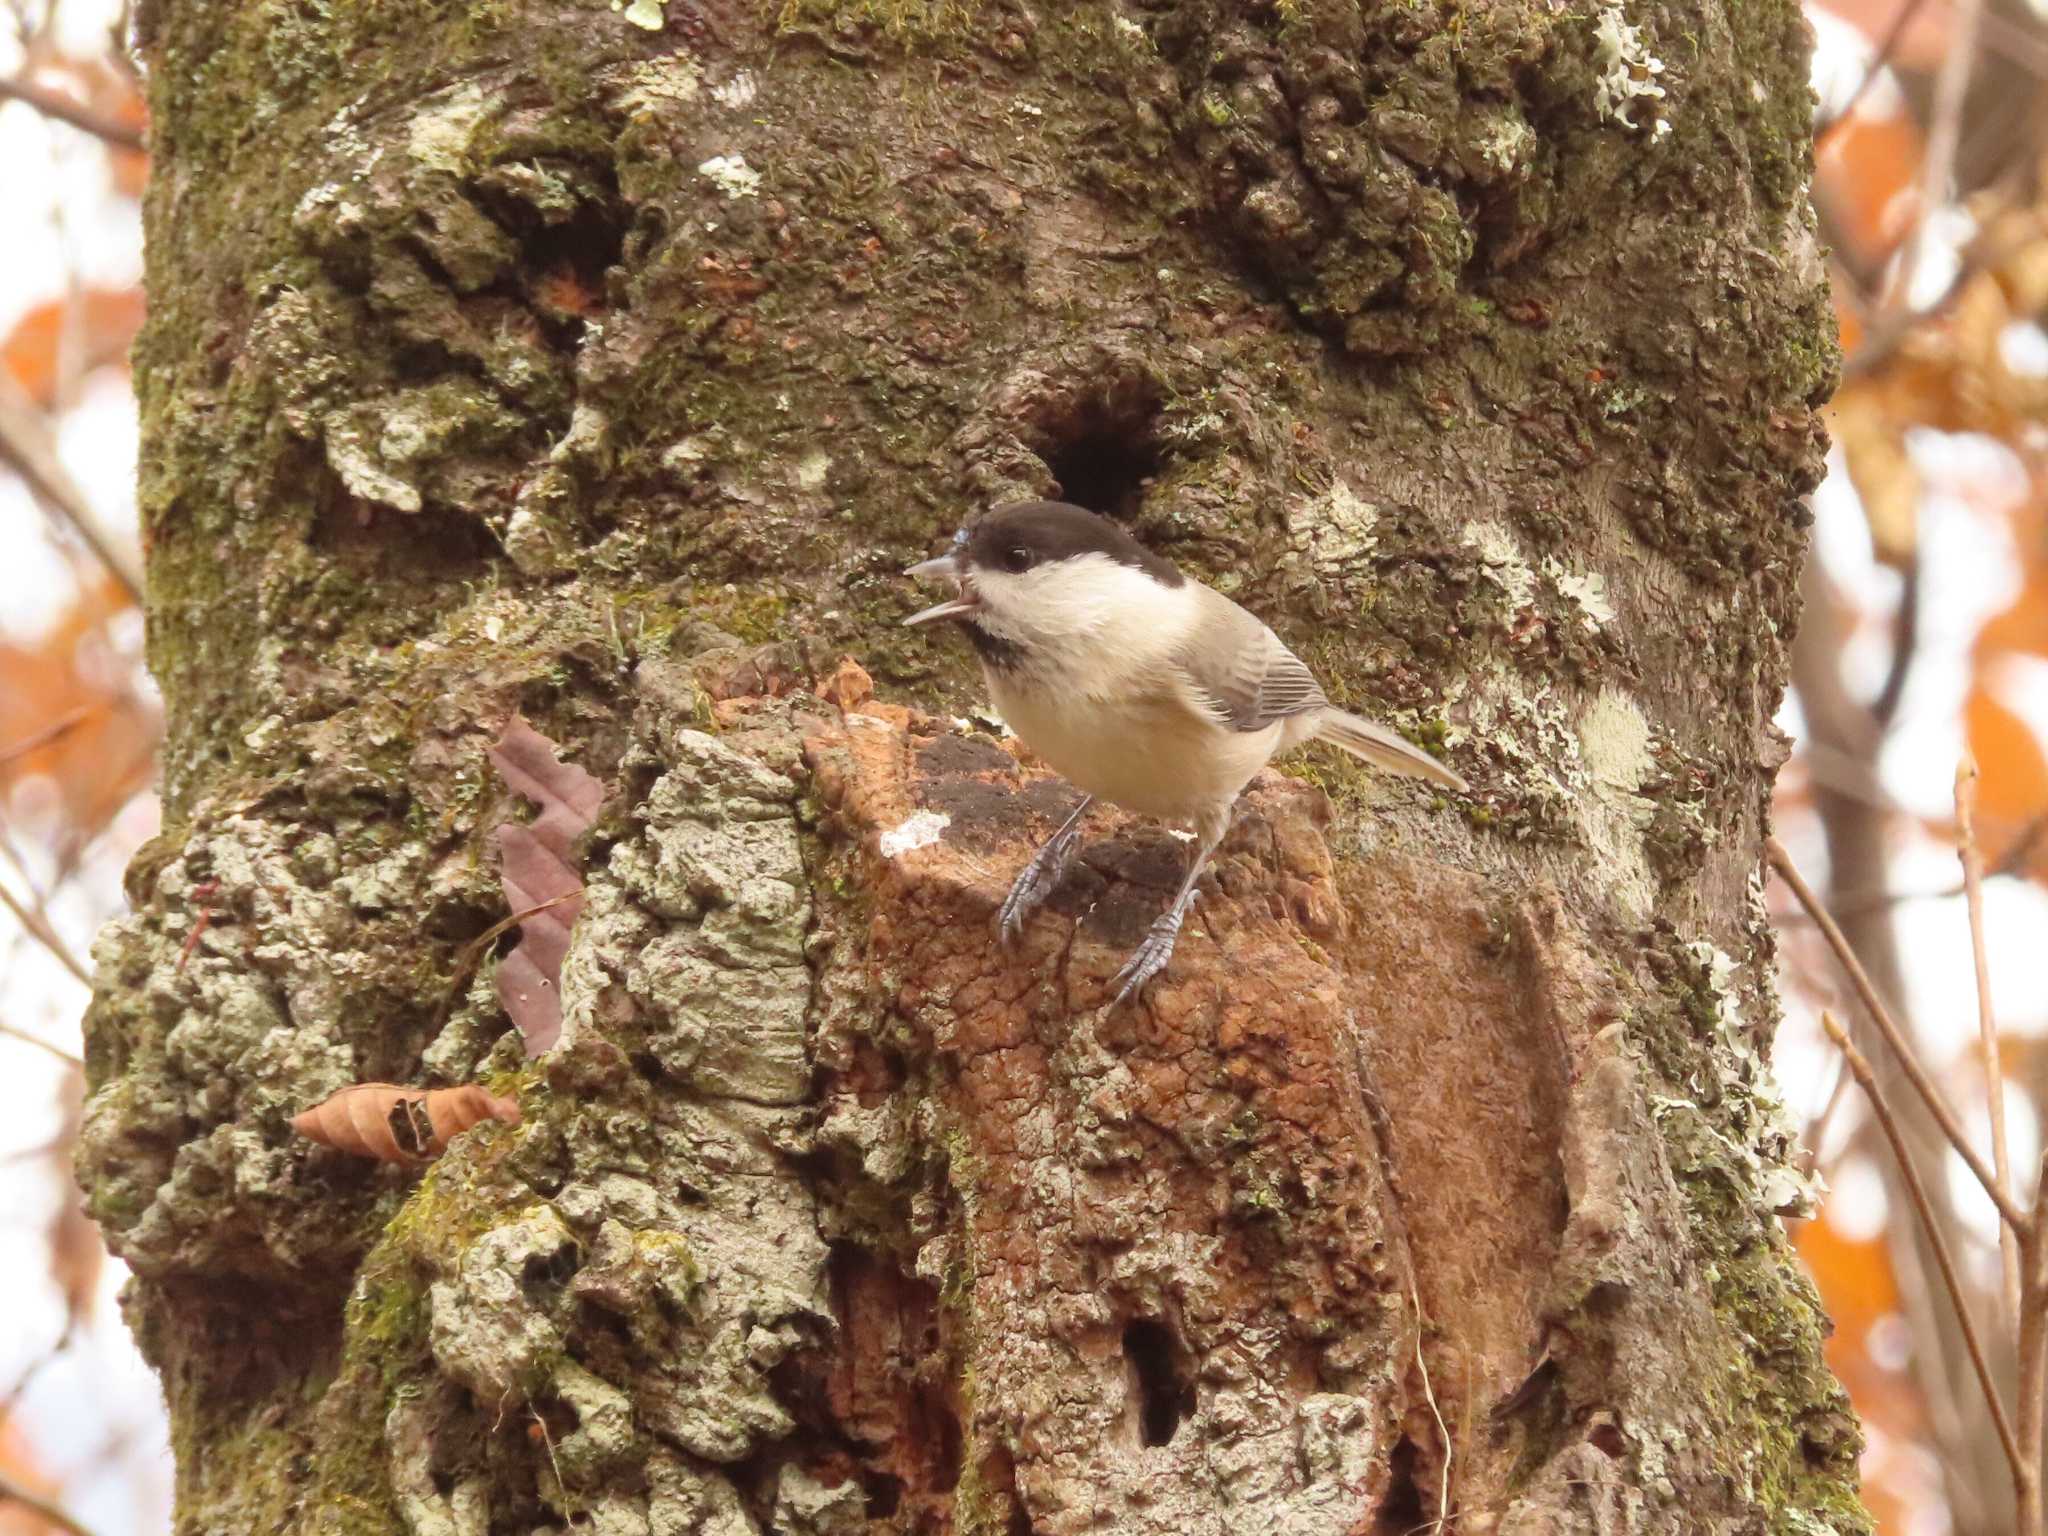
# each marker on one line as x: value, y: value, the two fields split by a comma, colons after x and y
x: 92, y: 1413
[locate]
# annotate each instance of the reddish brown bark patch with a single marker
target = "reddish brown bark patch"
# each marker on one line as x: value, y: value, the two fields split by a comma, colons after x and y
x: 1172, y: 1259
x: 1460, y: 1041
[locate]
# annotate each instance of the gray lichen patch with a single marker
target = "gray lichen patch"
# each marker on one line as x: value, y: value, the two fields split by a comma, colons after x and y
x: 485, y: 1332
x: 635, y: 1315
x: 1144, y: 1314
x: 705, y: 924
x: 232, y: 1014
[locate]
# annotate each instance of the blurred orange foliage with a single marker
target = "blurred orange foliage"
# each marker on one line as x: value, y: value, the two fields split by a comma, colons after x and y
x: 19, y: 1467
x: 104, y: 324
x: 106, y: 752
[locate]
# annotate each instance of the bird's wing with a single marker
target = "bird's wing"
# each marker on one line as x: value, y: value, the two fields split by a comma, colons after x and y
x: 1238, y: 669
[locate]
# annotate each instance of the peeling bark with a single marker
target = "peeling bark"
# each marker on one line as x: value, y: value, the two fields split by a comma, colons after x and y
x: 604, y: 367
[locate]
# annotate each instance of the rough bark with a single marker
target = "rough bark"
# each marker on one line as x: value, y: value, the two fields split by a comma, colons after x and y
x: 606, y: 366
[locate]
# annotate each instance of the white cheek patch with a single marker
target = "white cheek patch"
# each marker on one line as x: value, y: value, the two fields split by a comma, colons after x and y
x: 1088, y: 598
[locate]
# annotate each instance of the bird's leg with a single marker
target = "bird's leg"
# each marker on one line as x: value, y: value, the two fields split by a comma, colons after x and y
x: 1150, y: 957
x: 1042, y: 876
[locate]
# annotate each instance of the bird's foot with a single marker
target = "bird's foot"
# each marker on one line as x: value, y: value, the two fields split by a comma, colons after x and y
x: 1039, y: 879
x: 1150, y: 957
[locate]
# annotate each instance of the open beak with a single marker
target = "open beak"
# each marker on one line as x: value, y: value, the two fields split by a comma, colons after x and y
x: 947, y: 568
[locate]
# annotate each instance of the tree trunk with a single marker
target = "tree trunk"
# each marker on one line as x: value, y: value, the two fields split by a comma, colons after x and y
x: 605, y: 367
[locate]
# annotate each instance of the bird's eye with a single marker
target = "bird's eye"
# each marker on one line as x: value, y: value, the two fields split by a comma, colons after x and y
x: 1016, y: 558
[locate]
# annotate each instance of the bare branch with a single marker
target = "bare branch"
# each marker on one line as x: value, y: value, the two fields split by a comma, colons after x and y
x: 1905, y: 644
x: 1987, y: 1028
x: 14, y: 1493
x: 1879, y: 63
x: 57, y: 1051
x: 26, y: 449
x: 1894, y: 1037
x: 2010, y: 864
x: 55, y: 104
x: 2033, y: 1368
x: 1443, y: 1434
x: 36, y: 740
x: 40, y: 930
x: 1859, y: 1065
x: 1944, y: 133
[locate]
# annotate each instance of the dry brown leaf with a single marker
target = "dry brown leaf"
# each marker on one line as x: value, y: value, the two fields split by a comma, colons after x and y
x: 2024, y: 625
x: 400, y: 1125
x: 564, y: 294
x: 1882, y: 471
x: 540, y: 874
x: 106, y: 752
x: 1866, y: 174
x: 18, y: 1464
x: 106, y: 322
x: 2014, y: 788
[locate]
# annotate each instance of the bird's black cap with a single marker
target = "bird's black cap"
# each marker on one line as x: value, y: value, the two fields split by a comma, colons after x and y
x: 1031, y: 533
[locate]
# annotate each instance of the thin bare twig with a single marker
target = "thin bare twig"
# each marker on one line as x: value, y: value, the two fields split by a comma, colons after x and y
x: 35, y: 740
x: 1893, y: 328
x: 35, y: 1368
x: 1944, y: 133
x: 1987, y: 1027
x: 57, y: 1051
x: 13, y: 1492
x: 2033, y: 1367
x: 1818, y: 1129
x: 1894, y: 1037
x: 43, y: 934
x: 26, y: 449
x: 25, y: 1154
x: 1866, y: 1079
x: 1905, y: 645
x: 55, y: 104
x: 2019, y: 853
x: 1443, y: 1433
x: 1879, y: 63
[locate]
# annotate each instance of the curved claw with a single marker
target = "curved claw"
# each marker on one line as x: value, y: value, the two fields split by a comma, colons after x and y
x: 1150, y: 957
x: 1040, y: 878
x: 1027, y: 895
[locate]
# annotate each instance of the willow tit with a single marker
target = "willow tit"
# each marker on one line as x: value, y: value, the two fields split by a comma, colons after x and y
x: 1140, y: 686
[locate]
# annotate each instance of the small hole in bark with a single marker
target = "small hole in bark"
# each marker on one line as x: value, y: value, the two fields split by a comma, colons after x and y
x: 1161, y: 1391
x: 1607, y: 1298
x: 552, y: 1421
x: 1105, y: 471
x: 458, y: 922
x: 937, y: 1426
x: 1103, y: 447
x: 1400, y: 1511
x: 884, y: 1494
x: 999, y: 1477
x: 552, y: 1269
x: 1608, y: 1439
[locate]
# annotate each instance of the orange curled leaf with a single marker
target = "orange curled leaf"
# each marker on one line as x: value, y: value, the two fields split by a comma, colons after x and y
x: 400, y: 1125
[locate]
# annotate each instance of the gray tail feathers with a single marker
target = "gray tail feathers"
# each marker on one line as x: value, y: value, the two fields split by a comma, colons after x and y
x: 1381, y: 747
